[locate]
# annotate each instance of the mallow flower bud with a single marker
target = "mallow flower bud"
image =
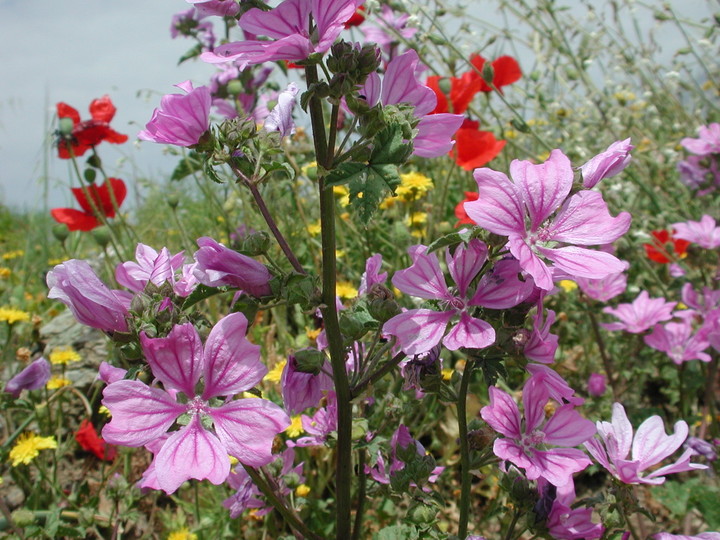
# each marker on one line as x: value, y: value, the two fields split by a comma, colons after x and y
x: 309, y: 360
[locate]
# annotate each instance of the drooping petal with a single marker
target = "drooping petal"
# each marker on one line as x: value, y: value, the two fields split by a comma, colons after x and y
x: 543, y: 187
x: 499, y: 207
x: 191, y: 452
x: 280, y: 118
x: 558, y: 465
x: 585, y: 220
x: 423, y: 278
x: 568, y: 428
x: 232, y: 363
x: 502, y: 414
x: 401, y: 86
x: 583, y: 262
x: 140, y: 414
x: 418, y: 330
x: 465, y: 264
x: 247, y: 428
x: 681, y: 465
x: 651, y: 445
x: 176, y: 360
x: 470, y: 333
x: 531, y: 263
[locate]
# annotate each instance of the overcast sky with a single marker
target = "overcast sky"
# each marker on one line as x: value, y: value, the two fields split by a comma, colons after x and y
x: 77, y: 50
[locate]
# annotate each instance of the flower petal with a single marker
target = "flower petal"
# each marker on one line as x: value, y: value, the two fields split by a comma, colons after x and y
x: 499, y: 207
x: 423, y: 278
x: 176, y: 360
x: 418, y: 330
x: 465, y: 264
x: 585, y: 220
x: 568, y: 428
x: 651, y: 445
x: 502, y: 414
x: 471, y: 333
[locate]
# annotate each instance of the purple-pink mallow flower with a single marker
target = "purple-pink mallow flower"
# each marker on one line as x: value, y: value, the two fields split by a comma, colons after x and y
x: 280, y: 119
x: 34, y: 376
x: 151, y: 266
x: 372, y: 275
x: 288, y: 26
x: 596, y: 384
x: 704, y: 233
x: 77, y: 286
x: 302, y: 390
x: 643, y: 313
x: 707, y: 143
x: 563, y: 521
x: 679, y: 342
x: 401, y: 85
x: 181, y: 119
x: 603, y: 289
x: 220, y: 8
x: 649, y: 447
x: 557, y: 387
x: 219, y: 266
x: 606, y: 164
x: 320, y: 425
x: 701, y: 536
x: 419, y: 330
x: 385, y: 28
x: 525, y: 442
x: 521, y: 209
x: 541, y: 344
x: 228, y: 365
x: 702, y: 304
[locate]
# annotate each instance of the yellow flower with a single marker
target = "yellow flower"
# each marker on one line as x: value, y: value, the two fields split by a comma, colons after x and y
x: 182, y: 534
x: 302, y: 490
x: 312, y: 333
x: 5, y: 272
x: 510, y: 134
x: 447, y: 373
x: 12, y: 315
x: 415, y: 219
x: 13, y: 254
x: 568, y: 285
x: 314, y: 228
x: 342, y: 194
x: 64, y: 355
x: 104, y: 410
x: 275, y: 373
x: 623, y: 96
x: 339, y: 253
x: 680, y: 305
x: 233, y: 460
x: 388, y: 202
x: 295, y: 428
x: 220, y: 219
x: 413, y: 185
x: 28, y: 447
x: 55, y: 262
x: 56, y: 382
x: 346, y: 290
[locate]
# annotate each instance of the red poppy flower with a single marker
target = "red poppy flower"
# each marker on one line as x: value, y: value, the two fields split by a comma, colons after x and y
x: 506, y: 68
x: 89, y: 440
x: 86, y: 220
x: 461, y: 94
x: 665, y: 248
x: 85, y: 135
x: 460, y: 212
x: 474, y: 147
x: 357, y: 18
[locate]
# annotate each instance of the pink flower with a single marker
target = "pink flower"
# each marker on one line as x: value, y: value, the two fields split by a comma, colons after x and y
x: 606, y: 164
x: 372, y: 275
x: 603, y: 289
x: 181, y: 119
x: 35, y: 375
x: 707, y: 143
x: 218, y: 265
x: 228, y: 365
x: 504, y: 207
x: 419, y: 330
x: 640, y: 315
x: 301, y: 390
x: 677, y: 340
x: 220, y: 8
x: 701, y: 536
x: 649, y: 447
x: 288, y: 26
x: 385, y: 28
x: 280, y: 118
x: 542, y: 345
x: 75, y: 284
x: 565, y: 522
x: 401, y: 85
x: 596, y: 384
x: 557, y: 387
x: 320, y: 426
x: 151, y: 266
x: 704, y: 233
x: 525, y: 441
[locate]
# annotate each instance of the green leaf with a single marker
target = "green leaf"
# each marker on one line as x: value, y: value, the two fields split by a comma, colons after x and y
x: 451, y: 239
x: 397, y: 532
x: 190, y: 164
x: 344, y: 173
x: 367, y: 193
x: 390, y: 147
x: 210, y: 171
x: 492, y: 369
x: 191, y: 53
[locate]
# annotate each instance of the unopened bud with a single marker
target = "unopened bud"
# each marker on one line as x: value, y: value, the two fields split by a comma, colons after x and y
x: 256, y: 243
x: 309, y: 360
x: 173, y: 200
x: 422, y: 514
x: 65, y: 126
x: 22, y: 517
x: 352, y: 327
x: 89, y: 175
x: 234, y: 87
x: 488, y: 73
x: 94, y: 161
x: 101, y: 235
x: 383, y: 310
x: 445, y: 85
x: 60, y: 231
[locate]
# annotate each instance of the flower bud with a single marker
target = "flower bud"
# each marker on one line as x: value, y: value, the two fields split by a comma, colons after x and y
x: 234, y: 87
x: 422, y: 514
x: 60, y: 231
x: 488, y: 73
x: 445, y: 85
x: 256, y: 243
x: 596, y: 384
x: 22, y: 517
x: 101, y: 235
x: 173, y: 200
x: 383, y: 310
x: 89, y: 175
x: 65, y: 126
x: 94, y: 161
x: 352, y: 327
x: 309, y: 360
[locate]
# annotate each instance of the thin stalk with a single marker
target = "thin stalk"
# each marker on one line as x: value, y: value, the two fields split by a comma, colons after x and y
x: 324, y: 155
x: 272, y: 497
x: 386, y: 368
x: 511, y: 527
x: 359, y: 512
x: 607, y: 362
x: 464, y: 450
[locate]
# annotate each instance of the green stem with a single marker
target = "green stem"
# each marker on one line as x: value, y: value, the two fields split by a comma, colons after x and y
x: 324, y: 155
x: 386, y: 368
x: 464, y: 451
x: 357, y: 528
x: 607, y: 362
x: 513, y: 523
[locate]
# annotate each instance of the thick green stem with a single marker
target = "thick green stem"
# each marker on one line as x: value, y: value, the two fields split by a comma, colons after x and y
x: 324, y: 155
x: 464, y: 451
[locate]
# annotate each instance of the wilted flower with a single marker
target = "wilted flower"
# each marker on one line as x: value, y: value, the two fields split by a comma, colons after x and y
x: 34, y: 376
x: 280, y: 118
x: 218, y: 266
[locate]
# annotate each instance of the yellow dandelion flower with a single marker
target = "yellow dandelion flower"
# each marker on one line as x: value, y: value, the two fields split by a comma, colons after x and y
x: 182, y: 534
x: 56, y: 382
x: 339, y: 253
x: 28, y: 447
x: 568, y: 285
x: 314, y: 229
x: 388, y: 202
x: 295, y: 428
x: 64, y: 355
x: 5, y: 272
x: 312, y: 333
x: 275, y: 373
x: 447, y: 373
x: 302, y: 490
x: 415, y: 219
x: 104, y: 410
x: 416, y: 233
x: 13, y: 254
x: 413, y: 185
x: 346, y: 290
x: 12, y: 315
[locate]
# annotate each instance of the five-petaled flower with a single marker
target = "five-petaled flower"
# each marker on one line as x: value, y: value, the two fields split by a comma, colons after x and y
x: 228, y: 365
x: 80, y: 136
